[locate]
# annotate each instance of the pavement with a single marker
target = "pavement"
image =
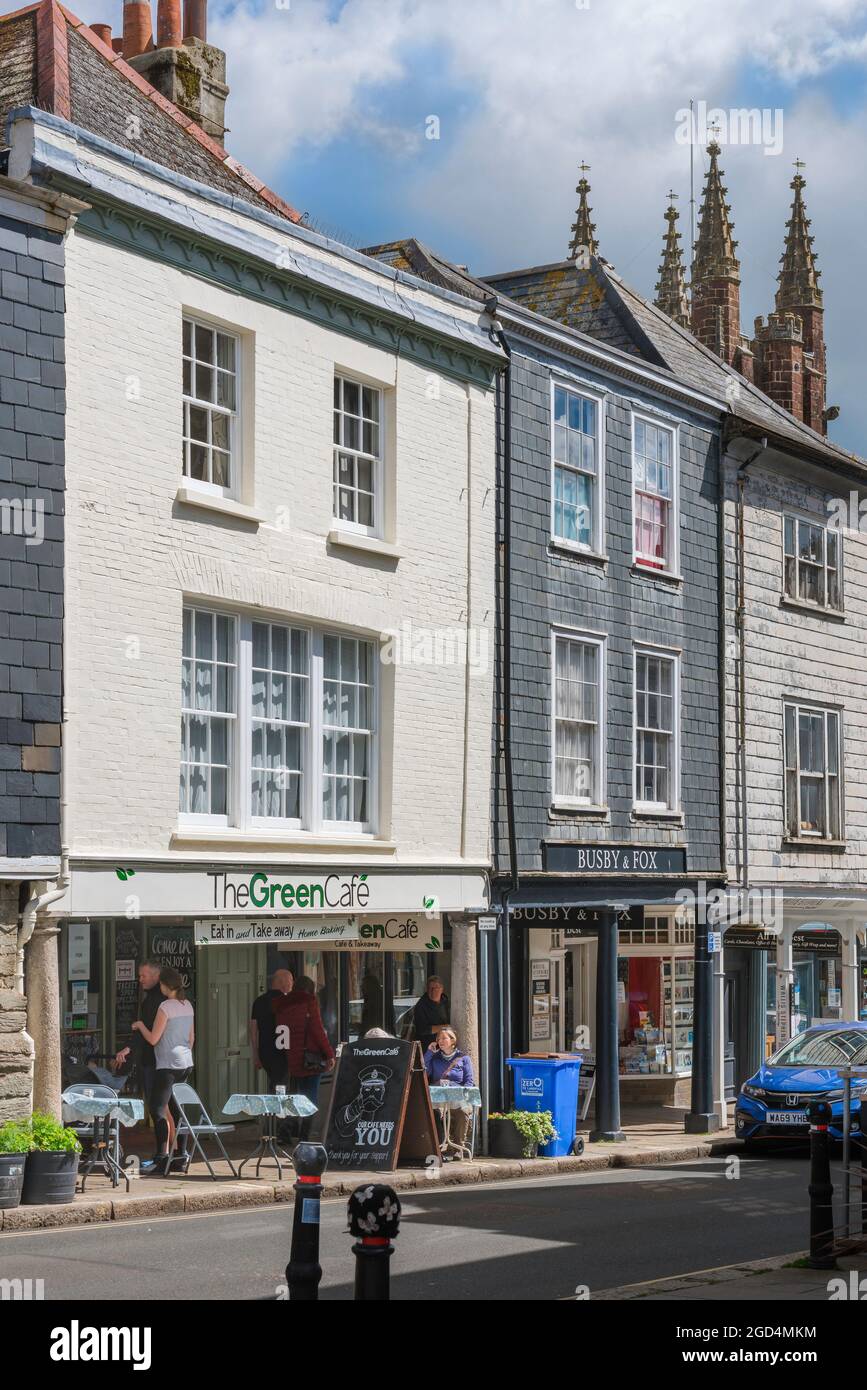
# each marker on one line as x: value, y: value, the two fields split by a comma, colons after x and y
x: 653, y: 1137
x: 776, y: 1280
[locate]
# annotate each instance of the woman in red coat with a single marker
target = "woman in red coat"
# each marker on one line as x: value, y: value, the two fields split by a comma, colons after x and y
x: 301, y: 1034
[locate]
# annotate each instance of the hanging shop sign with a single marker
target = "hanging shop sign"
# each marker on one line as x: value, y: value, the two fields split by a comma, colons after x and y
x: 122, y: 891
x: 568, y: 857
x: 819, y: 943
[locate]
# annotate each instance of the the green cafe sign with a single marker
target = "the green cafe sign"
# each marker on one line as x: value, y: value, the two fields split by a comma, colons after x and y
x: 270, y: 893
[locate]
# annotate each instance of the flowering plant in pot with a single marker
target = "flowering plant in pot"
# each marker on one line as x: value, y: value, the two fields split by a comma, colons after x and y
x: 15, y: 1141
x: 519, y: 1133
x: 52, y: 1163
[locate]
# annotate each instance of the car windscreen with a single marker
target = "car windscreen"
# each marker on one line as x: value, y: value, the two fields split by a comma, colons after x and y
x: 824, y: 1047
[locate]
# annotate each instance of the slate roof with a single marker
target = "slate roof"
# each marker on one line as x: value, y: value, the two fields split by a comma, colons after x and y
x: 52, y: 60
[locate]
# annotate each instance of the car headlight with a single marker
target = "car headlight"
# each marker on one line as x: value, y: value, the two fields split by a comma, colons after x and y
x: 755, y: 1092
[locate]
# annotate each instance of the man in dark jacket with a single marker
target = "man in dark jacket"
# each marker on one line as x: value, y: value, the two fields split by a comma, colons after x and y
x: 430, y: 1012
x: 142, y: 1052
x: 263, y: 1029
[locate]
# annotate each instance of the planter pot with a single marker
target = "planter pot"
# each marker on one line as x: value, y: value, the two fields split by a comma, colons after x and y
x: 504, y: 1141
x: 49, y: 1178
x: 11, y: 1179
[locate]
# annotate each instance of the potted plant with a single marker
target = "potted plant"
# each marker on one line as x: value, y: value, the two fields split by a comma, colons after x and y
x: 52, y: 1163
x: 519, y: 1133
x: 15, y: 1141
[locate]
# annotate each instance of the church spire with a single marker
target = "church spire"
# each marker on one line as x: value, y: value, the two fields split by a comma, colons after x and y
x: 798, y: 286
x: 715, y: 257
x: 716, y: 271
x: 583, y: 230
x: 671, y: 295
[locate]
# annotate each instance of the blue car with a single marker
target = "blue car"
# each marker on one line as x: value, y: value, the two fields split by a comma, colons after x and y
x: 773, y: 1103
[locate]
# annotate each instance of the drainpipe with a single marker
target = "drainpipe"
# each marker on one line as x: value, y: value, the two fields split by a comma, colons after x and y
x: 741, y: 624
x: 505, y: 471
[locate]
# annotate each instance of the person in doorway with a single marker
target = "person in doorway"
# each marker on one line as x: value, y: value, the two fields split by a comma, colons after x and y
x: 267, y: 1056
x: 142, y: 1052
x: 308, y: 1051
x: 172, y: 1038
x: 431, y: 1012
x: 447, y: 1065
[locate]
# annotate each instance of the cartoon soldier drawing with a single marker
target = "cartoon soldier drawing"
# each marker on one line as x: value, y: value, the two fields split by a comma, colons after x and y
x: 371, y: 1096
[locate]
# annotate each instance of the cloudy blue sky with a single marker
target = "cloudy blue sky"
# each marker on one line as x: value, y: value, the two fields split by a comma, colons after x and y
x: 331, y: 102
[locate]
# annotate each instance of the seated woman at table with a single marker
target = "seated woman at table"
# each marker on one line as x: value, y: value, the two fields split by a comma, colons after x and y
x: 447, y: 1065
x: 172, y: 1038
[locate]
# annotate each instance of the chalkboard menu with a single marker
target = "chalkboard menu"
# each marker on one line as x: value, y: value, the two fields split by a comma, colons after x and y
x: 381, y: 1112
x: 127, y: 957
x: 174, y: 946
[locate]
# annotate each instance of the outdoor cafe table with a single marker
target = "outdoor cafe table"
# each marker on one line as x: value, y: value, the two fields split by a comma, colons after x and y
x: 104, y: 1111
x: 449, y: 1098
x: 270, y: 1108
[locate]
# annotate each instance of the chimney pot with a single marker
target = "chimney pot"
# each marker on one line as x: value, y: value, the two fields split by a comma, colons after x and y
x: 169, y: 29
x: 102, y: 31
x: 196, y: 19
x: 137, y: 33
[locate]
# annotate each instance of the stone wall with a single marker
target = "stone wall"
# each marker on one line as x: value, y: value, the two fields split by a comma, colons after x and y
x: 16, y: 1050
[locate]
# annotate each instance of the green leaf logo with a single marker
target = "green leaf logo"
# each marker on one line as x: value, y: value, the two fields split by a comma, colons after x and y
x: 362, y: 878
x: 433, y: 944
x: 428, y: 902
x: 124, y: 874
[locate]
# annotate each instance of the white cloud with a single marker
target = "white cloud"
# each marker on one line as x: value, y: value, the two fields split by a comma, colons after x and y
x: 552, y: 83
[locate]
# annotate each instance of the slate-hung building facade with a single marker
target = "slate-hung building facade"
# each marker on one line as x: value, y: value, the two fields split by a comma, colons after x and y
x: 271, y: 721
x: 32, y: 407
x: 788, y: 613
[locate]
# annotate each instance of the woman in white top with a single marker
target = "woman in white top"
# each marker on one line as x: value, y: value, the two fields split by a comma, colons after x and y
x: 172, y: 1038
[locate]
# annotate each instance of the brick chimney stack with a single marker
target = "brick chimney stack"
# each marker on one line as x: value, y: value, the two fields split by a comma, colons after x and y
x: 183, y: 66
x: 196, y: 19
x: 716, y: 272
x: 169, y: 28
x: 137, y: 31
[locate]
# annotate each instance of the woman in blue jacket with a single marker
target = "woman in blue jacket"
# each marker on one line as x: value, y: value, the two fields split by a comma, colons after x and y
x: 447, y: 1065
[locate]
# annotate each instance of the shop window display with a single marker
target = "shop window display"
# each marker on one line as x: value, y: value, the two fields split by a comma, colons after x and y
x: 655, y: 997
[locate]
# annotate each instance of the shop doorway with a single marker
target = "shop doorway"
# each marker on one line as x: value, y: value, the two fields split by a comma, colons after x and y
x: 231, y: 978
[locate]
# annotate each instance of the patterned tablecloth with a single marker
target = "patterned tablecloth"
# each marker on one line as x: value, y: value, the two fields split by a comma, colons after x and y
x: 456, y: 1095
x: 128, y: 1109
x: 282, y: 1106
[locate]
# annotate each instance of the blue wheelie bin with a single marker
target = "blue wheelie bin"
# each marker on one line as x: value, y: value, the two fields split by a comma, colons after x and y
x: 550, y: 1083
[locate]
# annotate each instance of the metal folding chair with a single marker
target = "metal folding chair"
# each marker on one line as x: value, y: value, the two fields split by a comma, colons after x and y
x: 183, y: 1096
x: 90, y: 1130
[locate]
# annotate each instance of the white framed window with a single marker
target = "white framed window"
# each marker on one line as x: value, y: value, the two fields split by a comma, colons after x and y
x: 208, y: 713
x: 278, y: 726
x: 812, y: 568
x: 656, y: 739
x: 578, y: 771
x: 654, y: 494
x: 577, y: 468
x: 814, y: 803
x: 358, y: 422
x: 211, y: 366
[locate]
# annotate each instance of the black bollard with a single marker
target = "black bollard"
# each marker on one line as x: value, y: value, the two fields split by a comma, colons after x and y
x: 821, y: 1190
x: 374, y: 1218
x: 863, y: 1121
x: 304, y: 1271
